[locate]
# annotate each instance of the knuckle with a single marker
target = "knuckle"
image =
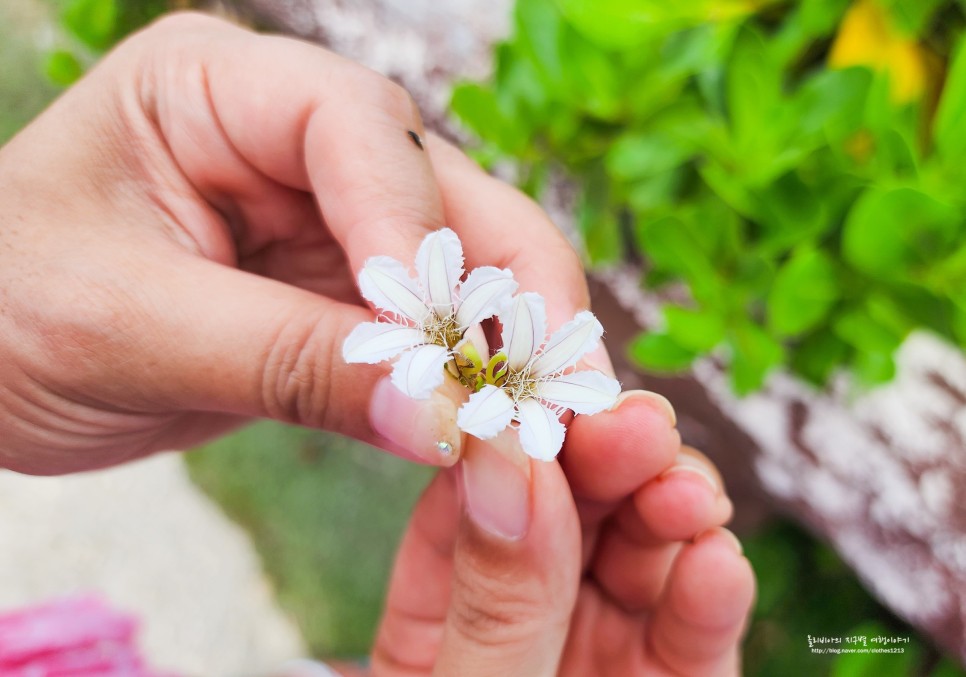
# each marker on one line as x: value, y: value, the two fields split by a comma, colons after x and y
x: 295, y: 381
x: 185, y: 21
x: 394, y: 99
x: 494, y: 612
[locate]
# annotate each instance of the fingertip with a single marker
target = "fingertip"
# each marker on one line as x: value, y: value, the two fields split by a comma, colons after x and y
x: 712, y: 584
x: 608, y: 455
x: 677, y: 505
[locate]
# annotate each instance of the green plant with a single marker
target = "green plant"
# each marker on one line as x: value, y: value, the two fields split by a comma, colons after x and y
x: 791, y: 164
x: 91, y: 27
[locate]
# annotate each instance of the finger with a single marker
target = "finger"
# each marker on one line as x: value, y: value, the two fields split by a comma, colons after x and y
x: 684, y: 500
x: 248, y: 117
x: 637, y: 547
x: 515, y: 569
x: 411, y: 629
x: 501, y: 226
x: 697, y: 626
x: 215, y: 339
x: 609, y: 455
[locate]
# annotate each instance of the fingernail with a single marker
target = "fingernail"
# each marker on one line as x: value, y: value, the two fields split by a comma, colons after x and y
x: 726, y: 535
x: 496, y: 491
x: 425, y: 428
x: 662, y: 402
x: 686, y: 464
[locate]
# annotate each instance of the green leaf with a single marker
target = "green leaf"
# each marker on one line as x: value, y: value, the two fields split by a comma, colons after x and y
x: 641, y: 155
x: 948, y: 129
x: 660, y: 353
x: 895, y: 232
x: 698, y: 330
x: 477, y: 107
x: 92, y: 21
x: 599, y: 223
x: 753, y: 93
x: 860, y: 330
x: 612, y: 24
x: 804, y: 291
x: 817, y: 356
x: 671, y: 244
x: 62, y: 68
x: 754, y: 354
x: 912, y: 16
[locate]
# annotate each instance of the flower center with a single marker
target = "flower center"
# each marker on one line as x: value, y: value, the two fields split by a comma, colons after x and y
x: 519, y: 385
x: 443, y: 331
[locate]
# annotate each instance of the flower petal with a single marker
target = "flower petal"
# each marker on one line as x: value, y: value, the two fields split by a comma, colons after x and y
x: 541, y: 432
x: 485, y: 293
x: 524, y: 329
x: 372, y: 342
x: 568, y: 344
x: 420, y: 371
x: 487, y: 413
x: 439, y: 263
x: 386, y: 284
x: 583, y: 392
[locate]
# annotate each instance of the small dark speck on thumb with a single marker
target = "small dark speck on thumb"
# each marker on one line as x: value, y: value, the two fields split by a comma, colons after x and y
x: 415, y: 137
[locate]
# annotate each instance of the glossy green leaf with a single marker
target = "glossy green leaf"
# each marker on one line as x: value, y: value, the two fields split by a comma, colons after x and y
x: 637, y: 156
x: 754, y: 354
x: 63, y: 68
x: 804, y: 291
x: 948, y: 129
x: 894, y: 232
x: 698, y: 330
x: 92, y: 21
x: 660, y: 353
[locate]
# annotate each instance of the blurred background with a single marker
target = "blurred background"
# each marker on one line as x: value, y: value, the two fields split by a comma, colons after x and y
x: 769, y: 194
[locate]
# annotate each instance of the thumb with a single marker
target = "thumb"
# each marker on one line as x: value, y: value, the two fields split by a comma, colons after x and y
x: 516, y: 565
x: 222, y: 340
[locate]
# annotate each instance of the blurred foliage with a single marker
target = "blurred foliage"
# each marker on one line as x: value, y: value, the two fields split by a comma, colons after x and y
x: 805, y: 589
x: 22, y: 93
x: 795, y: 165
x: 91, y: 27
x: 326, y: 515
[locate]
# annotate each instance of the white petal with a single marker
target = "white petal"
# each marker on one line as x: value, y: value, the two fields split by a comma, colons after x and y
x: 420, y: 371
x: 583, y: 392
x: 386, y: 284
x: 487, y: 413
x: 477, y: 337
x: 541, y: 432
x: 372, y: 342
x: 568, y: 344
x: 439, y: 263
x: 485, y: 293
x: 524, y: 328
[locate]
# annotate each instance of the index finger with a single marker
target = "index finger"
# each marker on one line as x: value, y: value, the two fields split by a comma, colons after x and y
x: 240, y: 110
x: 500, y: 226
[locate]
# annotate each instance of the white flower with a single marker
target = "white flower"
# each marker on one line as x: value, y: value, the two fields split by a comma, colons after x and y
x: 424, y: 318
x: 539, y: 383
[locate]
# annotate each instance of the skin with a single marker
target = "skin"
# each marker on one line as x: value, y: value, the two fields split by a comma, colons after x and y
x: 179, y: 239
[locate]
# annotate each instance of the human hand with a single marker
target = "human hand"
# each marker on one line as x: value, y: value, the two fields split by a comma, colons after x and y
x: 629, y: 575
x: 180, y: 235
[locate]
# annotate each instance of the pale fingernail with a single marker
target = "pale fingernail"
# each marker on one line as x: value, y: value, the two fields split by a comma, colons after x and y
x: 662, y: 402
x: 425, y: 428
x: 686, y: 464
x: 496, y: 491
x: 726, y: 535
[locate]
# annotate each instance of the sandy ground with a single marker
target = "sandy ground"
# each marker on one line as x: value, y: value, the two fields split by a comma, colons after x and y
x: 145, y: 538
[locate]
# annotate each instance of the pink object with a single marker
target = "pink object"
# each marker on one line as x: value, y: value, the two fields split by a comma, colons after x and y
x: 75, y: 637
